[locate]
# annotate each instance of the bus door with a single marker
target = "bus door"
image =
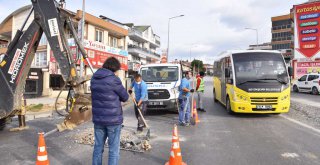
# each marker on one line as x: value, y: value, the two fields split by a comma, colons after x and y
x: 223, y: 81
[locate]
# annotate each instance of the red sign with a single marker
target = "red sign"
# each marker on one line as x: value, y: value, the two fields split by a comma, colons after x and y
x: 307, y: 25
x: 97, y: 58
x: 308, y: 64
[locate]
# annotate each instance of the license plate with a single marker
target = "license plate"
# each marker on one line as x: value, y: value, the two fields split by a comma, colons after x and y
x: 264, y: 106
x: 155, y: 103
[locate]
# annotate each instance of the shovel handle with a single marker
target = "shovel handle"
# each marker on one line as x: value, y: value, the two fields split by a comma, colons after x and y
x: 139, y: 112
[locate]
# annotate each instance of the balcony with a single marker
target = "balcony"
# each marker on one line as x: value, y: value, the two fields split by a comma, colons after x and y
x: 142, y: 52
x: 139, y: 37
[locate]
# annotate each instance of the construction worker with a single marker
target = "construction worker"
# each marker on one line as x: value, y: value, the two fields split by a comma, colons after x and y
x: 184, y: 100
x: 200, y: 92
x: 141, y: 98
x: 107, y: 93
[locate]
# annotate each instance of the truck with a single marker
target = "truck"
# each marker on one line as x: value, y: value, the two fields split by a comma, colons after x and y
x: 163, y: 81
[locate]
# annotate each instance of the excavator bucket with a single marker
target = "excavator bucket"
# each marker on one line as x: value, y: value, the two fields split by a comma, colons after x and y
x: 80, y: 113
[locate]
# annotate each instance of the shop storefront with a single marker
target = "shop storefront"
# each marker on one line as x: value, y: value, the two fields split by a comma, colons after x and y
x: 97, y: 54
x: 34, y: 83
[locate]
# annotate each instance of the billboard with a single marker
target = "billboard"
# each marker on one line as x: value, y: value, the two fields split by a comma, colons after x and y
x: 306, y: 30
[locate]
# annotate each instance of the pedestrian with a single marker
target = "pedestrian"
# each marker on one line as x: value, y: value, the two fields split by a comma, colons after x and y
x: 184, y: 100
x: 141, y: 98
x: 200, y: 92
x: 107, y: 93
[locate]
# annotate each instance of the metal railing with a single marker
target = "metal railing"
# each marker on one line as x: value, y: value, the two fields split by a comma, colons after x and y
x: 143, y: 49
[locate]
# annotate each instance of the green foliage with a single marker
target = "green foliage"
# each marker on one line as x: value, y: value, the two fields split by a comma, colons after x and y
x: 198, y: 64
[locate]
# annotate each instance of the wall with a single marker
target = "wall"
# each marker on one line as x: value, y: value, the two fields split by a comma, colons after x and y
x: 18, y: 20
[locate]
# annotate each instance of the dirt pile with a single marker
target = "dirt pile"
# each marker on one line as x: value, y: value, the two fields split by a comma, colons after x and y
x: 128, y: 140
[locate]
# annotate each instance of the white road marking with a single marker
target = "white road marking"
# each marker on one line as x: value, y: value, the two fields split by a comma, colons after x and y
x: 289, y: 155
x: 301, y: 124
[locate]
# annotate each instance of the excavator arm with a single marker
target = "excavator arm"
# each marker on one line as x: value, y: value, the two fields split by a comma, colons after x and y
x: 50, y: 20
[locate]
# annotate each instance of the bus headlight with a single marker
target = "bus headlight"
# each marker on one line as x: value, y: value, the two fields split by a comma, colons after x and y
x: 239, y: 97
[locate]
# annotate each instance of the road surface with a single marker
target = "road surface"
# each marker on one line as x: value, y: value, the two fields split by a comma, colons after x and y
x: 219, y: 139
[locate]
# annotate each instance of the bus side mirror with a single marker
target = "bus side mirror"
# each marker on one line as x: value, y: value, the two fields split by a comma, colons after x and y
x: 230, y: 81
x: 290, y: 71
x: 227, y: 72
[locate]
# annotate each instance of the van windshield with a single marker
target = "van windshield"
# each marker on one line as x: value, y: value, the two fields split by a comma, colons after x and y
x: 259, y: 66
x: 160, y: 73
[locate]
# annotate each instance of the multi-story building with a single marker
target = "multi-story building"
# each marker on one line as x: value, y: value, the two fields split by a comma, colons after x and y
x: 282, y: 35
x: 264, y: 46
x: 102, y: 39
x: 143, y: 46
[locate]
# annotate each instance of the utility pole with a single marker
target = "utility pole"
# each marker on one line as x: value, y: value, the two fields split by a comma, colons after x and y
x: 257, y: 34
x: 169, y: 34
x: 82, y: 36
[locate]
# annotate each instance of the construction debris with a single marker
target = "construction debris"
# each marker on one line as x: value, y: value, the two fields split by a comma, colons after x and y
x: 129, y: 141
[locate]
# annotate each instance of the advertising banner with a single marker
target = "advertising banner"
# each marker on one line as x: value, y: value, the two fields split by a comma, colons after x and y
x: 98, y: 53
x: 307, y: 35
x: 307, y: 67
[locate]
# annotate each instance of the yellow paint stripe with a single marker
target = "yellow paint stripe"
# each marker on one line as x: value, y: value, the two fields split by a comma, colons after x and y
x: 3, y: 63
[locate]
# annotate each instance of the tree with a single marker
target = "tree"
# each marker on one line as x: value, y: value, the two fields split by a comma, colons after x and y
x: 198, y: 64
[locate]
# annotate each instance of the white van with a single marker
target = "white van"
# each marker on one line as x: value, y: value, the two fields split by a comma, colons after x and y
x: 163, y: 82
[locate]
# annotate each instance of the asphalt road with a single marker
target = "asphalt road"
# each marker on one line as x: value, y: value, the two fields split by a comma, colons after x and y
x: 219, y: 139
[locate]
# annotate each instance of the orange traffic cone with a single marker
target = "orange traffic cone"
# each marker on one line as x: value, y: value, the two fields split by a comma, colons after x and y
x: 195, y: 112
x: 175, y: 152
x: 42, y: 156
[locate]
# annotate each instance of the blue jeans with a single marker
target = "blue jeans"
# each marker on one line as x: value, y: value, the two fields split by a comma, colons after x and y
x: 184, y: 116
x: 101, y: 133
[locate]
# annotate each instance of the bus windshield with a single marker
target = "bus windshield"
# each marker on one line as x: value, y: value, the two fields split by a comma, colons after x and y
x: 253, y: 67
x: 160, y: 73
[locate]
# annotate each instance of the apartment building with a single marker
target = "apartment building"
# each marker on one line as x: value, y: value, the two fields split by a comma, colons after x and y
x: 143, y: 46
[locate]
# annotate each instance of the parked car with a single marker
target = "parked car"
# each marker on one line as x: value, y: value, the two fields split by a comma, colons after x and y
x: 308, y: 83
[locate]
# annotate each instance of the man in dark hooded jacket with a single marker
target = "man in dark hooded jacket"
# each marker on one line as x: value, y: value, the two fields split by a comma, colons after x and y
x: 107, y: 94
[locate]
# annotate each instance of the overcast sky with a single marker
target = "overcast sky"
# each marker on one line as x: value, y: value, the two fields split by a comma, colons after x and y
x: 212, y: 26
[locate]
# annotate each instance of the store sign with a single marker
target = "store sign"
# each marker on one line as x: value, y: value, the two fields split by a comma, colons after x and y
x: 97, y: 58
x: 307, y: 17
x: 98, y: 52
x: 100, y: 47
x: 307, y: 67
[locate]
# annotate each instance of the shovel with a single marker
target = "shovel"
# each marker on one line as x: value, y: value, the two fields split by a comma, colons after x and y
x: 144, y: 121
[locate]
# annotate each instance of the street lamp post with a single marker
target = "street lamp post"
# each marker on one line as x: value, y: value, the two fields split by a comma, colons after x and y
x: 257, y: 34
x: 192, y: 46
x: 169, y: 33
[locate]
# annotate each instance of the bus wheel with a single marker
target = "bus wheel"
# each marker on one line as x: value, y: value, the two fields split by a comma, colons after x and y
x: 315, y: 91
x: 214, y: 96
x: 295, y: 88
x: 228, y: 106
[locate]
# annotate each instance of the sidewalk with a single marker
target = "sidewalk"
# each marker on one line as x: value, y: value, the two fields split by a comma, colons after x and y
x: 50, y: 101
x: 305, y: 108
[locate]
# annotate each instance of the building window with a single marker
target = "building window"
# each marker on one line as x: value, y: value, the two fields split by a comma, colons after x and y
x: 43, y: 40
x: 40, y: 60
x: 114, y: 42
x: 99, y: 35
